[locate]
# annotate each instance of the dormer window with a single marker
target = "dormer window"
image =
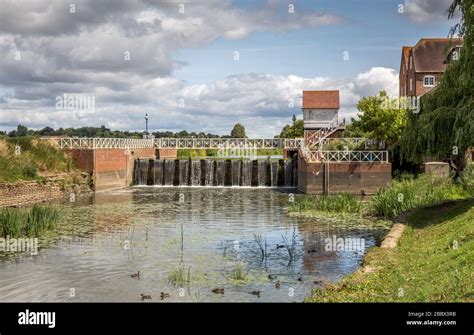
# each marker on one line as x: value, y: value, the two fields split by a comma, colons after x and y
x: 428, y: 81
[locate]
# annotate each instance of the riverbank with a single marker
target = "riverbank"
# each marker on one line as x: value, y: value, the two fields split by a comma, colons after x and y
x: 432, y: 263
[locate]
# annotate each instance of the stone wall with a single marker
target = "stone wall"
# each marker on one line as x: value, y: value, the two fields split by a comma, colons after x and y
x: 54, y: 187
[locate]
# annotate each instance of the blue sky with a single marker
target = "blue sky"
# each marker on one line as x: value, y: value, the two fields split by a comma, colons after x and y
x: 181, y: 69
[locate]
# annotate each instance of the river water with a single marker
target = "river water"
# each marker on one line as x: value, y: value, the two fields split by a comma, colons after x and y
x: 207, y: 235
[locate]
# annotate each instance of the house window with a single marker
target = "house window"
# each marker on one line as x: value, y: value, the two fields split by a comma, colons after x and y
x: 411, y: 85
x: 310, y: 115
x: 428, y: 81
x: 411, y: 62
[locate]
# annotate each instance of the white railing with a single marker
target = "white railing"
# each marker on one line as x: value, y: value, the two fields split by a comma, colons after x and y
x: 345, y: 156
x: 178, y: 143
x: 104, y: 143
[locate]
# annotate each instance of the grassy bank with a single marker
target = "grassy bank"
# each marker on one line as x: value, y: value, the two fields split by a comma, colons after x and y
x: 26, y: 158
x: 405, y: 193
x: 433, y: 261
x: 32, y: 222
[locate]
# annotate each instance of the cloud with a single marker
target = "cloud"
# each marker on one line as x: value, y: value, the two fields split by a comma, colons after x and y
x: 427, y: 10
x: 262, y: 102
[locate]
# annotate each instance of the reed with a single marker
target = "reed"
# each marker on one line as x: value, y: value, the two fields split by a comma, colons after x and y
x: 18, y: 222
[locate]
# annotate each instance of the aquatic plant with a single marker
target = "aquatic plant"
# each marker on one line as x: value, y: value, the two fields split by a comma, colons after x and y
x: 290, y: 248
x: 341, y: 203
x: 180, y: 276
x: 262, y: 245
x: 238, y: 273
x: 17, y: 222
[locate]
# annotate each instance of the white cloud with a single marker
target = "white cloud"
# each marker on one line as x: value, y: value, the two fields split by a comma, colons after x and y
x: 427, y: 10
x: 259, y: 101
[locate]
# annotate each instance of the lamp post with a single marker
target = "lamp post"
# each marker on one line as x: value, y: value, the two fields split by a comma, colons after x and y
x: 294, y: 126
x: 146, y: 125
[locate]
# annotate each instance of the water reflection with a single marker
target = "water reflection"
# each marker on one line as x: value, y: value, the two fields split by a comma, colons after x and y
x: 210, y: 233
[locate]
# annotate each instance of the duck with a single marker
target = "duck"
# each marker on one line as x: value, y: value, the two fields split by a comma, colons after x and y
x: 311, y: 251
x: 271, y: 277
x: 135, y: 275
x: 164, y: 295
x: 146, y: 297
x: 219, y: 290
x: 280, y: 246
x: 300, y: 278
x: 257, y: 293
x: 277, y: 285
x: 318, y: 282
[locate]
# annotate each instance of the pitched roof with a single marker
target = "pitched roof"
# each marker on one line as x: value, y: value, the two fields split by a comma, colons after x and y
x: 321, y: 99
x: 429, y: 54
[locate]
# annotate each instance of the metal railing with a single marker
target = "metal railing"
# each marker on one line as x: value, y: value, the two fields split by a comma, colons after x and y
x: 104, y: 143
x: 178, y: 143
x: 345, y: 156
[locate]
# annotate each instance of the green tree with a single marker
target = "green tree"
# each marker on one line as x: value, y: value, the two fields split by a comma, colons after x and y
x: 289, y: 131
x: 238, y: 131
x: 380, y: 118
x: 444, y: 127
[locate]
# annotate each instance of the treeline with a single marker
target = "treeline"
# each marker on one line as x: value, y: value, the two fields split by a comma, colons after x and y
x: 101, y: 131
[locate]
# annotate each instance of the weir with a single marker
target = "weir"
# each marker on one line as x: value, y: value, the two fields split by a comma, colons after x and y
x: 216, y: 172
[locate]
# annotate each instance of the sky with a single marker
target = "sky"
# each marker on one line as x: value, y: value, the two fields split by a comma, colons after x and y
x: 200, y: 65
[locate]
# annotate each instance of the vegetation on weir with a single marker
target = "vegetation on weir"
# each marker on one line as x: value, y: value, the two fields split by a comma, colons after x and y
x: 32, y: 222
x: 341, y: 203
x: 24, y: 158
x: 432, y: 263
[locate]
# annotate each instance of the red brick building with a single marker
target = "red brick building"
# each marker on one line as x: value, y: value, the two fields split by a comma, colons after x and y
x: 422, y: 65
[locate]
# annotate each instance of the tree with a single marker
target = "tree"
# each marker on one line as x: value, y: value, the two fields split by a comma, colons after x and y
x: 238, y: 131
x: 289, y: 131
x: 444, y: 127
x: 380, y: 118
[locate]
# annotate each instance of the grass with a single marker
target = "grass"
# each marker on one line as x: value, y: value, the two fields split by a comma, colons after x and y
x: 432, y: 263
x: 407, y: 193
x: 180, y: 276
x: 23, y: 158
x: 342, y: 202
x: 32, y: 222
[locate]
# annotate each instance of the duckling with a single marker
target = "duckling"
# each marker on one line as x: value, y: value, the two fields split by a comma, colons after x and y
x: 136, y: 275
x: 311, y: 251
x: 219, y: 290
x: 318, y: 282
x: 277, y: 285
x: 271, y: 277
x: 146, y: 296
x: 257, y: 293
x: 279, y: 246
x: 300, y: 278
x: 164, y: 295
